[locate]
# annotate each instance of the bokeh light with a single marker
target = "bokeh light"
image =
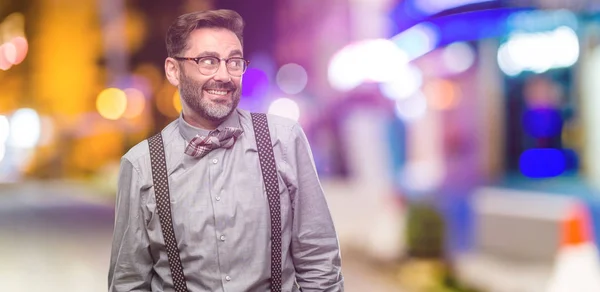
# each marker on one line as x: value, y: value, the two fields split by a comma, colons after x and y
x: 285, y: 107
x: 506, y: 63
x: 341, y: 73
x: 136, y: 102
x: 539, y: 20
x: 406, y: 82
x: 4, y: 62
x: 10, y: 52
x: 13, y: 44
x: 567, y: 47
x: 418, y: 40
x: 25, y: 128
x: 111, y: 103
x: 22, y: 47
x: 522, y: 52
x: 442, y: 94
x: 411, y: 108
x: 458, y: 57
x: 292, y: 78
x: 2, y: 151
x: 256, y: 84
x: 4, y: 129
x: 377, y: 60
x: 542, y: 163
x: 380, y: 60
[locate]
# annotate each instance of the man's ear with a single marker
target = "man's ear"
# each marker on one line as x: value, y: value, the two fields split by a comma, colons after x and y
x: 172, y: 71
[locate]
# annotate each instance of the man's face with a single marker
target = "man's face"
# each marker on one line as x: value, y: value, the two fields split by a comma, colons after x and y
x: 212, y: 97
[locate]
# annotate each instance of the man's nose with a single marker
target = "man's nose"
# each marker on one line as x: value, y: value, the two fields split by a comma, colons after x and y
x: 222, y: 74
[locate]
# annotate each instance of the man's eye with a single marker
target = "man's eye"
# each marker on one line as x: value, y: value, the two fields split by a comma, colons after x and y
x: 208, y: 61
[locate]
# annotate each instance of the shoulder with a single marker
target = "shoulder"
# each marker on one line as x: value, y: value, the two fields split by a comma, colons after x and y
x: 137, y: 152
x: 281, y: 122
x: 279, y: 127
x: 139, y: 155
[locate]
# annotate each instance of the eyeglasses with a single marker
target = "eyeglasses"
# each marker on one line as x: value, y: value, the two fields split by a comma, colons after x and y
x: 236, y: 66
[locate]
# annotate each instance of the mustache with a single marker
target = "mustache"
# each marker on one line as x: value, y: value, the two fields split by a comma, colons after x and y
x: 219, y: 85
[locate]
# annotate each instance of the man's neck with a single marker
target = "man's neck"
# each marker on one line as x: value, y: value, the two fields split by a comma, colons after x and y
x: 199, y: 122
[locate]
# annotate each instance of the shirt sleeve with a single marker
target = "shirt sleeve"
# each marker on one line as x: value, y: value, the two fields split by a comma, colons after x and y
x: 130, y: 261
x: 315, y: 247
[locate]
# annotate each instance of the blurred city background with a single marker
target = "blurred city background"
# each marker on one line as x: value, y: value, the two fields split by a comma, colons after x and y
x: 458, y: 141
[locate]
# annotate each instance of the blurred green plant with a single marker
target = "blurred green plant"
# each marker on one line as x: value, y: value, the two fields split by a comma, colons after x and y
x: 425, y: 232
x: 427, y: 268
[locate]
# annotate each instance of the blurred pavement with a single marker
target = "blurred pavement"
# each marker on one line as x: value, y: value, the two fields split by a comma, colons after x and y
x: 56, y: 237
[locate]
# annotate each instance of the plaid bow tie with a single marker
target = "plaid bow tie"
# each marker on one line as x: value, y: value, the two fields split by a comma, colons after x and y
x: 202, y: 145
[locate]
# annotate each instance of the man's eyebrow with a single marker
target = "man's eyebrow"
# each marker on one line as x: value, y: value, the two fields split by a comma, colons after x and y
x: 236, y: 53
x: 217, y: 55
x: 208, y: 54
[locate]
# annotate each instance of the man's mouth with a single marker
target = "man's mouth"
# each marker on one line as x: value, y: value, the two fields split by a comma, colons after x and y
x: 217, y: 92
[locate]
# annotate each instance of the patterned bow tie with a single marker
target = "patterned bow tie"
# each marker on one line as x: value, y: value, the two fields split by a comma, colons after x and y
x: 202, y: 145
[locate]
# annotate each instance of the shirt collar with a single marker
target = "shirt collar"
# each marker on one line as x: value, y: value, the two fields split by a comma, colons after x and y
x: 188, y: 132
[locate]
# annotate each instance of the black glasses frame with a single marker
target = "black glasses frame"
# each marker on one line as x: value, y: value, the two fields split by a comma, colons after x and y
x: 197, y: 61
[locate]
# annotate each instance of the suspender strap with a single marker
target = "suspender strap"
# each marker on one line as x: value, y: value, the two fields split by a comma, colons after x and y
x: 269, y: 172
x: 163, y: 203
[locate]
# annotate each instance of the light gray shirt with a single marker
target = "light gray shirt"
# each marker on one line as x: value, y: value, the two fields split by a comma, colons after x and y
x: 221, y: 216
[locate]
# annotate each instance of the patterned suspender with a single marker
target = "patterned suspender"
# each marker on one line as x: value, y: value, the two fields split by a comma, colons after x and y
x: 269, y: 171
x: 163, y: 203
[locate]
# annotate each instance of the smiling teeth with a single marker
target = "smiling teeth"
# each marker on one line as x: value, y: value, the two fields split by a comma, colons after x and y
x: 217, y: 92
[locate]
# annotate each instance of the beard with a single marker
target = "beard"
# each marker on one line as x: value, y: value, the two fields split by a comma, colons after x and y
x: 192, y: 93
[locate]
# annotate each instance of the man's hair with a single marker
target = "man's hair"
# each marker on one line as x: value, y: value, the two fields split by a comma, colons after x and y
x: 184, y: 25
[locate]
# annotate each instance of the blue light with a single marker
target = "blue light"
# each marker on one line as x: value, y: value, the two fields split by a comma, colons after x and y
x: 474, y: 25
x: 408, y: 13
x: 405, y: 15
x: 542, y: 163
x: 542, y: 123
x: 467, y: 26
x: 418, y: 40
x: 571, y: 159
x: 532, y: 21
x: 432, y: 7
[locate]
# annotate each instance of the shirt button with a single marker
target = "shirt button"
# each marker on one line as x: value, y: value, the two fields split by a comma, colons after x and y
x: 227, y: 278
x: 214, y: 161
x: 222, y: 237
x: 218, y: 198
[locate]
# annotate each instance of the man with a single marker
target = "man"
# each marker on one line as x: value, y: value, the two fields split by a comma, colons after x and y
x: 221, y: 218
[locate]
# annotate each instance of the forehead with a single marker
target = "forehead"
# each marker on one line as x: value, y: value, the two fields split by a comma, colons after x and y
x: 218, y: 40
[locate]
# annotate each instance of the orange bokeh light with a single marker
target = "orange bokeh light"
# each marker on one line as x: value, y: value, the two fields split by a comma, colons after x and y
x: 442, y: 94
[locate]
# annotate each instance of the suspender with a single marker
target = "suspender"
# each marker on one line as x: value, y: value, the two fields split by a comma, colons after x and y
x: 163, y: 203
x: 268, y: 167
x: 269, y: 171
